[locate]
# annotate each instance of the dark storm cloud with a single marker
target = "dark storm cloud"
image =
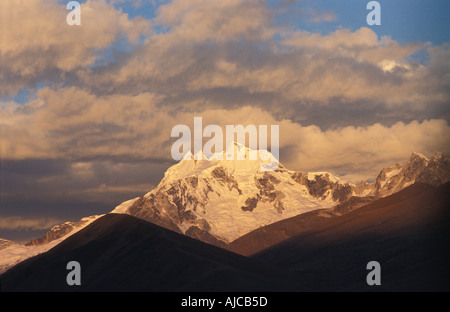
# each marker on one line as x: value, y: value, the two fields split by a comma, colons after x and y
x: 61, y: 187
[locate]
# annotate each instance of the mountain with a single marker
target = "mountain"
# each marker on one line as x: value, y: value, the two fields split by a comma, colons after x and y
x: 408, y: 233
x: 119, y: 252
x: 12, y: 253
x: 434, y: 171
x: 233, y: 204
x: 218, y: 201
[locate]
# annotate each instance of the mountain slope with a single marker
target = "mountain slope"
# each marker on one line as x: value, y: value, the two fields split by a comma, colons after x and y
x: 408, y: 233
x: 13, y: 253
x: 272, y: 234
x: 122, y: 253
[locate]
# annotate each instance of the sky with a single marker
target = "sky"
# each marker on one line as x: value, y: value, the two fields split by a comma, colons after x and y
x: 86, y: 111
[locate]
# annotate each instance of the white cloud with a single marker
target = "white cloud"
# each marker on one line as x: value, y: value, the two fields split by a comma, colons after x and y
x: 73, y: 124
x: 360, y: 152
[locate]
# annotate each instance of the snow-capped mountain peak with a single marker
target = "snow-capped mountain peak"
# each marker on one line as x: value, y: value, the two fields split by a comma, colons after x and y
x: 222, y: 197
x: 235, y: 158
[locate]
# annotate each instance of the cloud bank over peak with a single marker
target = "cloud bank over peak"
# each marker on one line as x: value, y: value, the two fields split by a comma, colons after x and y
x: 109, y: 80
x: 86, y: 126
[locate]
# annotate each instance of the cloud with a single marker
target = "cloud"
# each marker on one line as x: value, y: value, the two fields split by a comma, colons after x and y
x: 67, y: 188
x: 69, y: 123
x: 229, y: 53
x: 351, y: 71
x: 320, y: 16
x: 72, y: 123
x: 21, y: 223
x: 359, y: 153
x: 199, y: 20
x: 38, y: 45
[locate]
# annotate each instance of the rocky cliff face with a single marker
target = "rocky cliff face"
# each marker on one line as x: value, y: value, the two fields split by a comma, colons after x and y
x: 434, y: 171
x: 325, y: 186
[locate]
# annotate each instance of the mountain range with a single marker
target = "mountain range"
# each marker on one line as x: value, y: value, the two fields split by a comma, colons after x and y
x: 407, y: 233
x: 233, y: 205
x: 219, y: 201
